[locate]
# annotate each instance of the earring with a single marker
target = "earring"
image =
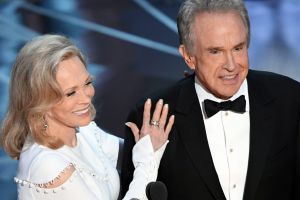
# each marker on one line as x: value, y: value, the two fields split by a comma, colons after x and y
x: 45, y: 125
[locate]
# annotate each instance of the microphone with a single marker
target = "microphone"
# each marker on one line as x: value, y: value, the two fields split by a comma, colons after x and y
x: 156, y: 191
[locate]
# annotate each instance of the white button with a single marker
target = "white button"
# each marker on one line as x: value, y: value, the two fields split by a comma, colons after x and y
x: 234, y: 186
x: 226, y: 113
x: 231, y: 150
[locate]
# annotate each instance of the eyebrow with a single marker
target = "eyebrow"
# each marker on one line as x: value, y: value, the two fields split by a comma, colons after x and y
x: 214, y: 48
x: 220, y: 48
x: 240, y: 44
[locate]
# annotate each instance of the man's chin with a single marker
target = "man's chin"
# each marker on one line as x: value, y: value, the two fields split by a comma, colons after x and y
x: 227, y: 94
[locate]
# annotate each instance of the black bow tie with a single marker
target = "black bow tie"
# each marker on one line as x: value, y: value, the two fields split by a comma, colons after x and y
x: 212, y: 107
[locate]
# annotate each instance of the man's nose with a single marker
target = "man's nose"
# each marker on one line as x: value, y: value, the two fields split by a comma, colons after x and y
x: 230, y: 62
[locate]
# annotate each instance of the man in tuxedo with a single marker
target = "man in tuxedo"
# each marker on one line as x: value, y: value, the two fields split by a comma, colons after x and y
x: 236, y: 131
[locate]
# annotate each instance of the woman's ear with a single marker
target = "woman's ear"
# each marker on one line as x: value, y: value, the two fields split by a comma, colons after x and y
x: 189, y: 60
x: 48, y: 115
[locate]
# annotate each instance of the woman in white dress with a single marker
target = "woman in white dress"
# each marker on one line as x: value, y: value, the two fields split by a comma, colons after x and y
x: 62, y: 153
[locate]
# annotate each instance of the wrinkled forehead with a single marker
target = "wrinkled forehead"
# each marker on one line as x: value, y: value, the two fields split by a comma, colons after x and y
x: 216, y: 25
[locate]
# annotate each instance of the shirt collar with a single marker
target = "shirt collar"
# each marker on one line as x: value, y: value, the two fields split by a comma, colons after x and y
x: 203, y: 93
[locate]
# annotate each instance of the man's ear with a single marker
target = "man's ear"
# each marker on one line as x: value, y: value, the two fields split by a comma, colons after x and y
x: 189, y: 60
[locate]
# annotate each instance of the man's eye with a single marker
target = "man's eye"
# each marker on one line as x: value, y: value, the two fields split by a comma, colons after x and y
x: 238, y: 48
x: 70, y: 94
x: 213, y: 51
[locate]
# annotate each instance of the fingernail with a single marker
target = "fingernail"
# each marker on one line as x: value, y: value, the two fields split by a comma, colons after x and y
x: 148, y: 101
x: 127, y: 124
x: 160, y: 101
x: 166, y: 105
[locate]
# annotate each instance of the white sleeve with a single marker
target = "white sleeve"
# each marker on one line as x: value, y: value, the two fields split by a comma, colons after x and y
x: 146, y: 163
x: 46, y: 168
x: 73, y: 188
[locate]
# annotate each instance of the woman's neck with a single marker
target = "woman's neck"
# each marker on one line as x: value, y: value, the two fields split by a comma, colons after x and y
x: 65, y: 133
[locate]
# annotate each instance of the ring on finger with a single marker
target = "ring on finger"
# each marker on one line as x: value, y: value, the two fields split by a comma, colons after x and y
x: 154, y: 123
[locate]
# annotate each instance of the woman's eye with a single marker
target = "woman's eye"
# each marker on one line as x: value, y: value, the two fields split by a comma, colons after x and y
x: 70, y: 94
x: 89, y: 83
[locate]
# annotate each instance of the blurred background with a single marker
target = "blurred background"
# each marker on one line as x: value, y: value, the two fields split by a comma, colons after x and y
x: 131, y: 46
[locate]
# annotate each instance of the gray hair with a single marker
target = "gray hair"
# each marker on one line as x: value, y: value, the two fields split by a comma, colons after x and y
x: 34, y: 90
x: 190, y: 8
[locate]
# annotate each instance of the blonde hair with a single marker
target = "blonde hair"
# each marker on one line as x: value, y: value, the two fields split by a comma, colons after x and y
x: 33, y: 90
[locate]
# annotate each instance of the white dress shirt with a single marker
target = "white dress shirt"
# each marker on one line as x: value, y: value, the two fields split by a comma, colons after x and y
x: 228, y: 138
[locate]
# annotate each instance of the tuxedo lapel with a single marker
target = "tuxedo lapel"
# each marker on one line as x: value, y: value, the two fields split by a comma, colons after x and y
x: 261, y: 127
x: 190, y: 125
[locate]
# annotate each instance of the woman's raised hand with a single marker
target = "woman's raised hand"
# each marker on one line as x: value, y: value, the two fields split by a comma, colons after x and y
x: 156, y: 126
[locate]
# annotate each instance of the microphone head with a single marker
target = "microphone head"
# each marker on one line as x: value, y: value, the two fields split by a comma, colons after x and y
x: 156, y: 191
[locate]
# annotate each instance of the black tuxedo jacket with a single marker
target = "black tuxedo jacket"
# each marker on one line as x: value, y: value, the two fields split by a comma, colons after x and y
x: 187, y: 167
